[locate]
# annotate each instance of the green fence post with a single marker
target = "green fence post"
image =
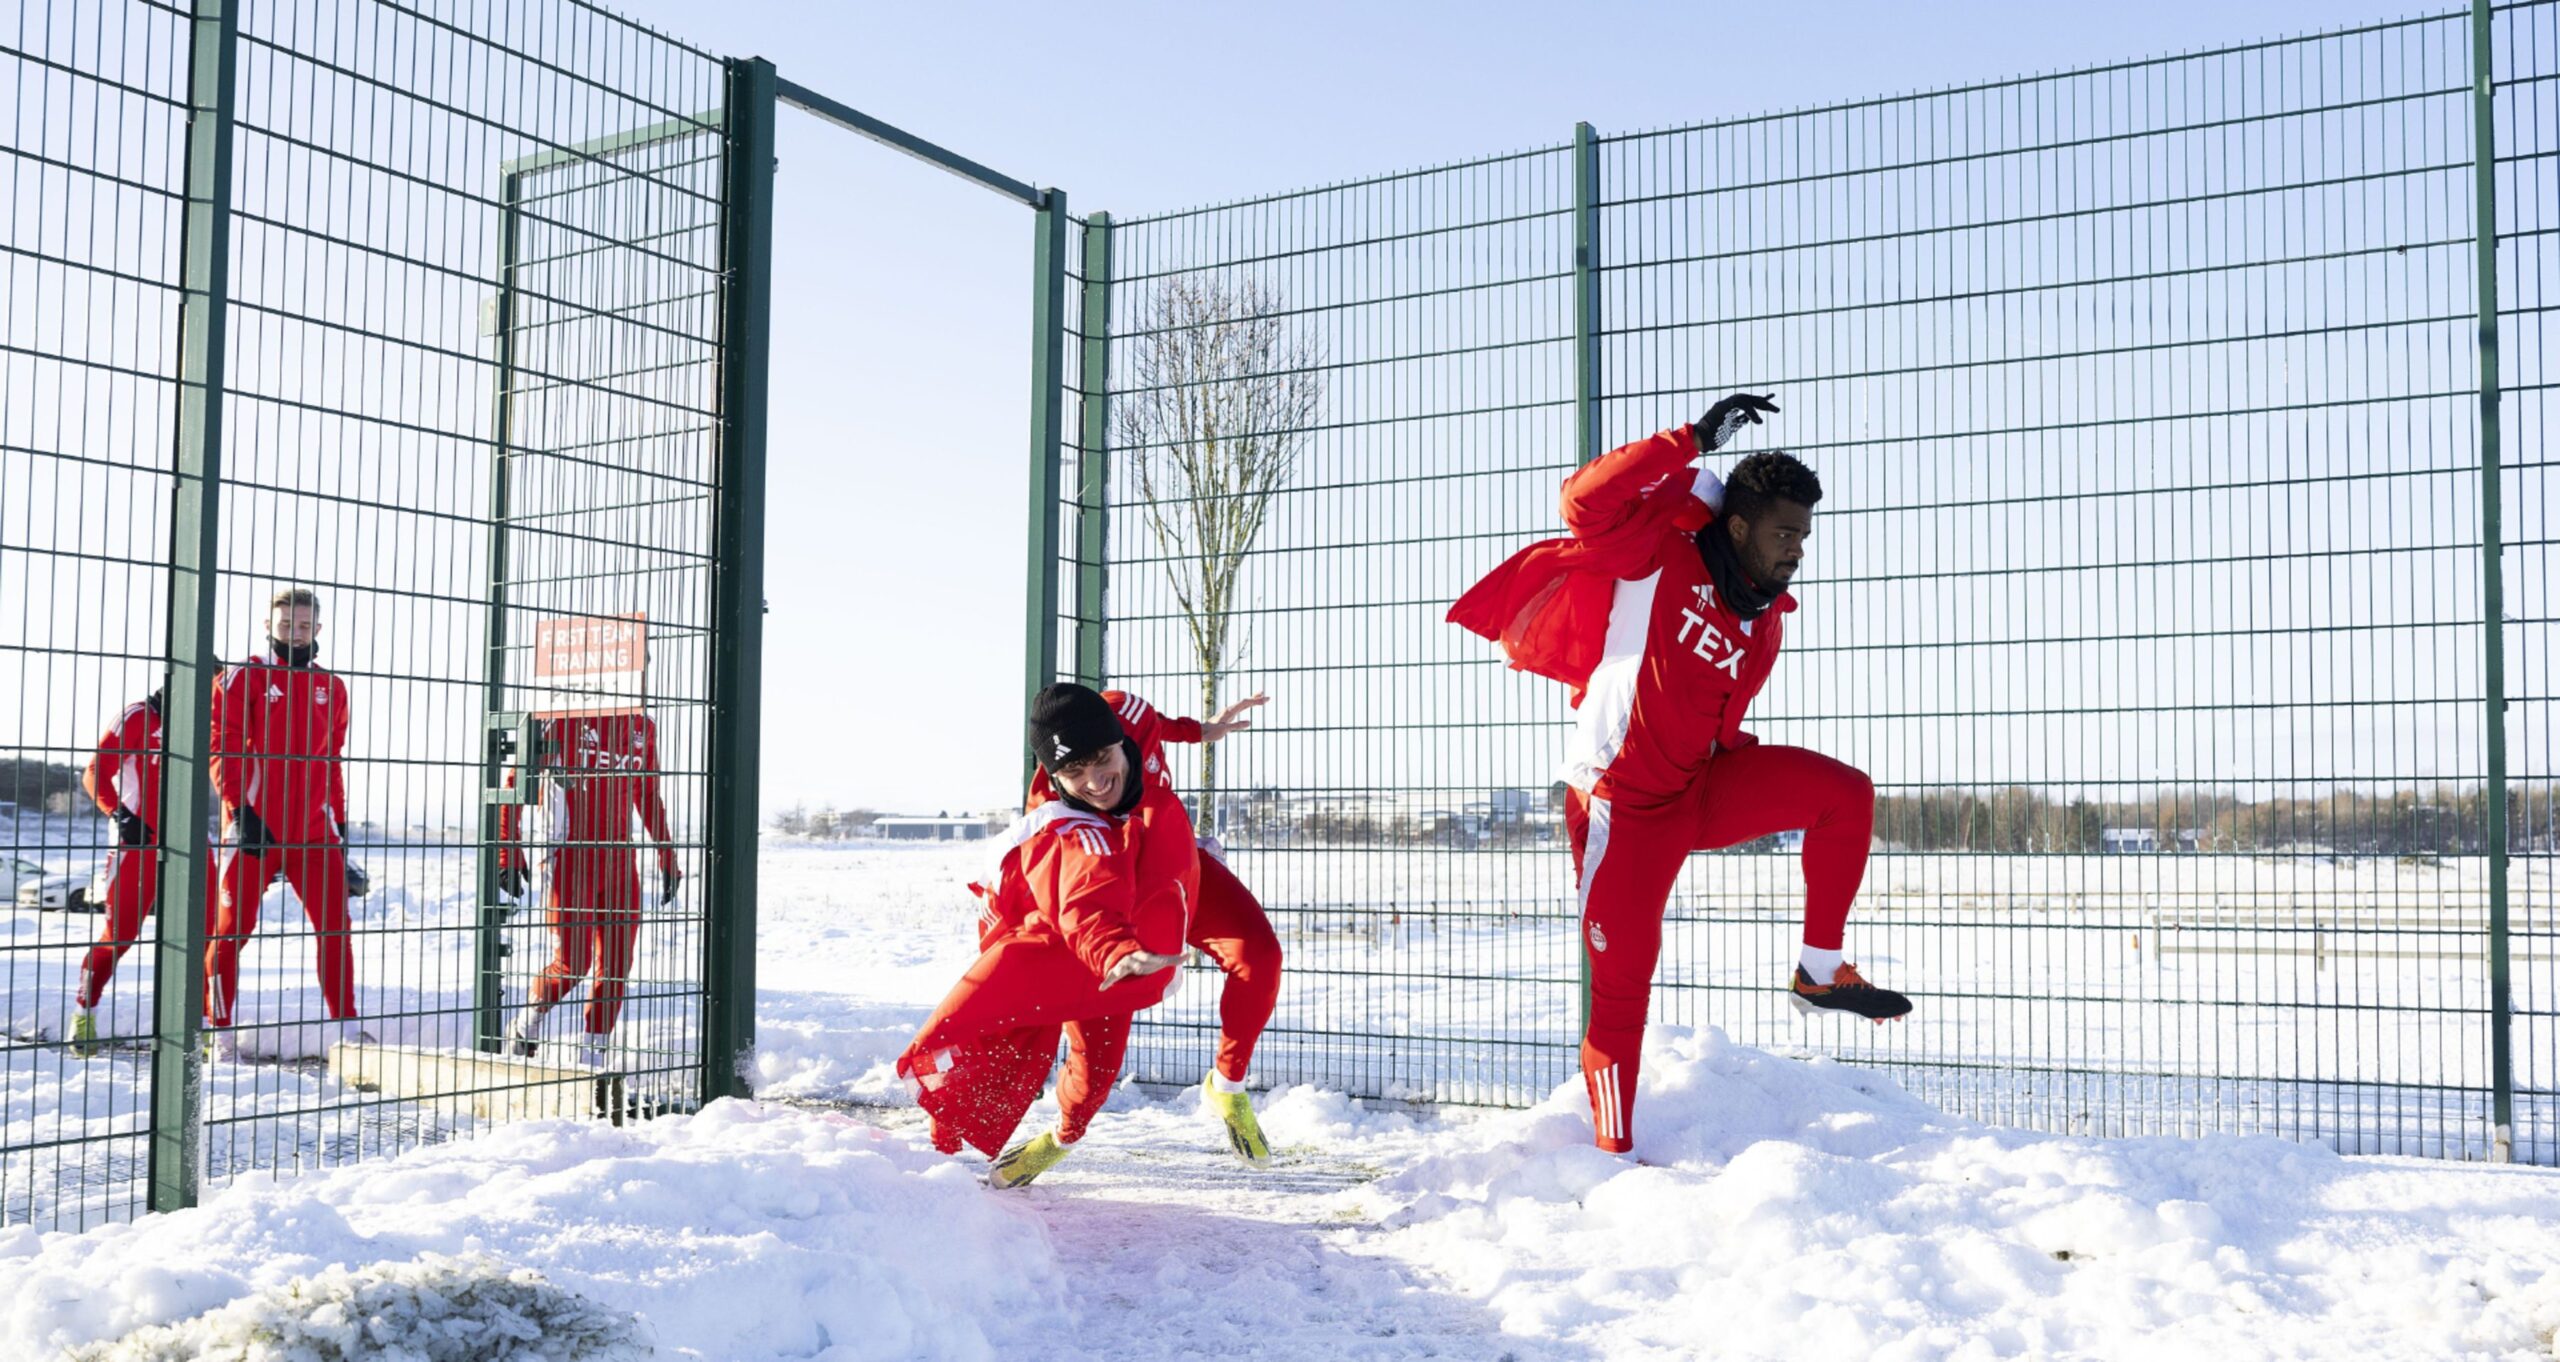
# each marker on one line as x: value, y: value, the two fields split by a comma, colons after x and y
x: 2493, y: 620
x: 489, y: 982
x: 186, y: 789
x: 1048, y: 360
x: 1586, y: 292
x: 737, y: 596
x: 1093, y: 485
x: 1586, y: 370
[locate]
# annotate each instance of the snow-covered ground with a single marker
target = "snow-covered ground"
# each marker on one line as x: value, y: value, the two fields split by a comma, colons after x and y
x: 2338, y: 999
x: 1780, y: 1207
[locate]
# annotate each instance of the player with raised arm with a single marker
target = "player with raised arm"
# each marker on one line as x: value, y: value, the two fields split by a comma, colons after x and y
x: 1228, y: 924
x: 1664, y: 611
x: 279, y: 734
x: 1082, y: 927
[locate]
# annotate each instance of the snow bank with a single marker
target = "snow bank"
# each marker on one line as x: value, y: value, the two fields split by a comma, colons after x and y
x: 437, y: 1309
x: 1790, y: 1208
x: 745, y: 1231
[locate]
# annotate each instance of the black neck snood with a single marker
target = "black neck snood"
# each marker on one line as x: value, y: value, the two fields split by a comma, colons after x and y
x: 1743, y: 596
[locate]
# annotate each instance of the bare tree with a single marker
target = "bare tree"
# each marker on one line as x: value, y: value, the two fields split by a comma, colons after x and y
x: 1212, y: 417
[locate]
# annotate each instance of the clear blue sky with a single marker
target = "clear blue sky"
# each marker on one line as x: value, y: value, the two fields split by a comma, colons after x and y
x: 901, y: 384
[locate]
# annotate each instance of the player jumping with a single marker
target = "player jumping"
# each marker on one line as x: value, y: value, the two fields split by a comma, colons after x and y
x: 1664, y: 611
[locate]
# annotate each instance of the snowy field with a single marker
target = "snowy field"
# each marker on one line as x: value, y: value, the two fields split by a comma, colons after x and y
x: 1780, y: 1207
x: 2308, y: 996
x: 2340, y: 1000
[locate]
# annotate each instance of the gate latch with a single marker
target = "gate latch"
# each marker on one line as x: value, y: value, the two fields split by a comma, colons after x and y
x: 514, y: 748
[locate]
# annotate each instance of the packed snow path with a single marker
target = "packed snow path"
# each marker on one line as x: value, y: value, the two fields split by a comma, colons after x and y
x: 1172, y: 1248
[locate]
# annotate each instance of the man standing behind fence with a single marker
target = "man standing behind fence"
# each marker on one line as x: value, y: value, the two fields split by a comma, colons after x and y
x: 279, y: 731
x: 1664, y: 611
x: 598, y: 771
x: 123, y: 779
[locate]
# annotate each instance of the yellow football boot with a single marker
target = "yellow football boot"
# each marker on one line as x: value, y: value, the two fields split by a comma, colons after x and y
x: 1016, y: 1167
x: 1243, y: 1131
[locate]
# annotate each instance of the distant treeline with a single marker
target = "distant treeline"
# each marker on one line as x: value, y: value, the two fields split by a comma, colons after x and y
x: 36, y: 786
x: 2428, y: 821
x: 2448, y: 821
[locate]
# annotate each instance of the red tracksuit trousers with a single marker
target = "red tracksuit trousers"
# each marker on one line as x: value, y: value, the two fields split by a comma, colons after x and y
x: 593, y: 898
x: 983, y: 1056
x: 1231, y: 928
x: 133, y: 887
x: 1627, y: 852
x: 316, y: 867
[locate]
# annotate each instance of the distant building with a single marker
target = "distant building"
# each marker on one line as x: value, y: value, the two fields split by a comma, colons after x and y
x: 938, y: 828
x: 2138, y: 841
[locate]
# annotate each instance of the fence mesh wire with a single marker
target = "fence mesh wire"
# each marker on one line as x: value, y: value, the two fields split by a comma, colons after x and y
x: 95, y: 162
x: 474, y: 307
x: 2147, y: 583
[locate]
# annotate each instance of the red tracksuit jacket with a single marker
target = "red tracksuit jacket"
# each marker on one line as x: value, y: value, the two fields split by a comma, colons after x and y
x: 278, y: 732
x: 1098, y: 884
x: 125, y: 771
x: 1626, y: 614
x: 597, y: 771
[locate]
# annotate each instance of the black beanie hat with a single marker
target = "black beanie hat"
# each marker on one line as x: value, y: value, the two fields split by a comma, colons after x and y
x: 1070, y: 723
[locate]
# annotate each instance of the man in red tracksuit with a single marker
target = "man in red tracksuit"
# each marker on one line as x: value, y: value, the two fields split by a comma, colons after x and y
x: 597, y: 773
x: 279, y: 730
x: 123, y: 779
x: 1085, y: 921
x: 1664, y: 611
x: 1228, y: 925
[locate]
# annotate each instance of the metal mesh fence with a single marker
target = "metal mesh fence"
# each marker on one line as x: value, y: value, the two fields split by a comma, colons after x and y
x: 1430, y: 316
x: 2148, y: 586
x: 2527, y: 133
x: 96, y: 164
x: 458, y: 278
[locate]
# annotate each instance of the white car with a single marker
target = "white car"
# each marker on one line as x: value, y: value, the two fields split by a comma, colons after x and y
x: 15, y: 872
x: 47, y: 891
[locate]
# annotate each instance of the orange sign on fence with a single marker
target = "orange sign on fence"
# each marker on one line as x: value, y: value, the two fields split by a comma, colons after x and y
x: 590, y: 666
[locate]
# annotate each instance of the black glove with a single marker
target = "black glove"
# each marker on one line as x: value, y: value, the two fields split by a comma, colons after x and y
x: 514, y: 880
x: 250, y: 832
x: 130, y: 829
x: 671, y: 878
x: 1728, y: 416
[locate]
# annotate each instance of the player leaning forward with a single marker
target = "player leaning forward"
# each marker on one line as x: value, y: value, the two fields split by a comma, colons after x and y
x: 1082, y: 927
x: 1664, y: 611
x: 1227, y: 921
